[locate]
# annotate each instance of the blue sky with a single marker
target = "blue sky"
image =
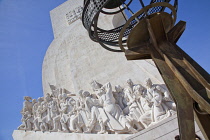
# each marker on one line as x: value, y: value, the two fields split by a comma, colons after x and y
x: 26, y: 33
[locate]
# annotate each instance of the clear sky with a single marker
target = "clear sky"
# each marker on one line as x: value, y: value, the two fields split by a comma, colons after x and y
x: 26, y: 33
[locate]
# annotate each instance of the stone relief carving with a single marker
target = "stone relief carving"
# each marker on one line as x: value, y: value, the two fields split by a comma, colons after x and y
x: 74, y: 14
x: 123, y: 110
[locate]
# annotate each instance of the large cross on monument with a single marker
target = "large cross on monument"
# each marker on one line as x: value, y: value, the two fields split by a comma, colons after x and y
x: 151, y: 33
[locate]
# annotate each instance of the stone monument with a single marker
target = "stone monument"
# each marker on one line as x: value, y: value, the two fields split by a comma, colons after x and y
x: 73, y: 60
x: 91, y: 93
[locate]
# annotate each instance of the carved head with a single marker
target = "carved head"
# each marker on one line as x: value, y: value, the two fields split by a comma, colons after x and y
x: 40, y: 99
x: 118, y: 88
x: 52, y: 87
x: 100, y: 91
x: 54, y: 102
x: 130, y: 82
x: 71, y: 101
x: 25, y: 109
x: 148, y: 83
x: 80, y: 93
x: 64, y: 96
x: 34, y: 101
x: 27, y: 98
x: 48, y: 97
x: 27, y: 113
x: 86, y: 94
x: 95, y: 85
x: 138, y: 89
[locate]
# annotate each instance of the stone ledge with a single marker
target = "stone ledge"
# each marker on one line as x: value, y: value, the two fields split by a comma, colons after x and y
x: 164, y: 130
x: 31, y: 135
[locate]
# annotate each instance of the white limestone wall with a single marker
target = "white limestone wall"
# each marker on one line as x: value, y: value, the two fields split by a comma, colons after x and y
x: 72, y: 60
x: 164, y: 130
x: 31, y: 135
x: 58, y: 16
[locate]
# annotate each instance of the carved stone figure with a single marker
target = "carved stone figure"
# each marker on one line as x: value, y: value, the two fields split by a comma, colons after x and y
x: 158, y: 96
x: 73, y: 117
x: 65, y: 108
x: 135, y: 109
x: 112, y: 110
x: 37, y: 114
x: 54, y: 115
x: 95, y: 109
x: 125, y: 110
x: 27, y: 104
x: 27, y: 118
x: 119, y: 97
x: 79, y: 120
x: 27, y: 121
x: 146, y: 104
x: 83, y: 114
x: 43, y: 111
x: 164, y: 92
